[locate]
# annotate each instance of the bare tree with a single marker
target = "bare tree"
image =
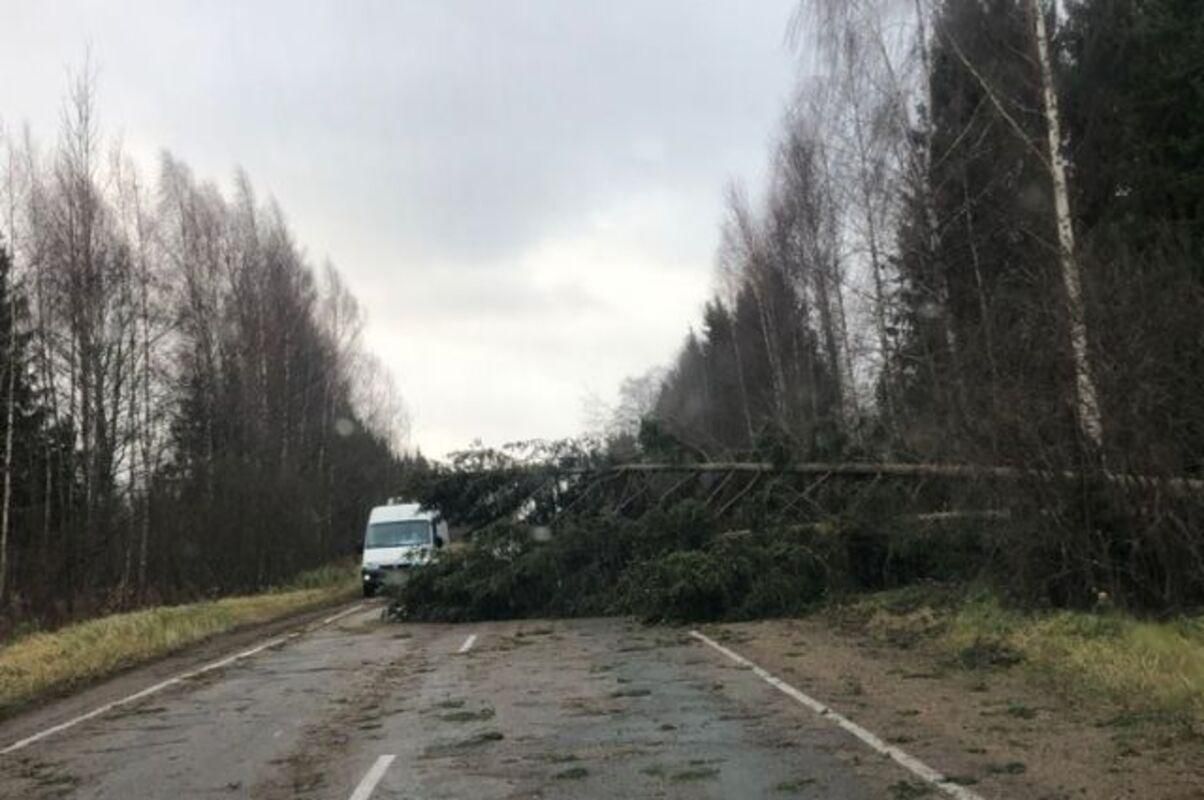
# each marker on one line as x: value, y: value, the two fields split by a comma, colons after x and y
x: 745, y: 237
x: 11, y: 366
x: 197, y: 397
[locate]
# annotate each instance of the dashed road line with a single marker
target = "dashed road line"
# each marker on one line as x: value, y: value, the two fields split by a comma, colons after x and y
x: 908, y: 762
x: 172, y: 681
x: 371, y: 778
x: 468, y: 643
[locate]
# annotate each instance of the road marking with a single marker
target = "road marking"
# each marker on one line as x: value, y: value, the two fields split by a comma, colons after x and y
x: 914, y: 765
x: 468, y: 643
x: 172, y: 681
x: 341, y: 614
x: 373, y: 776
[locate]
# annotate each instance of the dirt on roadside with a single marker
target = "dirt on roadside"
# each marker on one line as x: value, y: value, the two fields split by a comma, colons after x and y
x: 994, y: 726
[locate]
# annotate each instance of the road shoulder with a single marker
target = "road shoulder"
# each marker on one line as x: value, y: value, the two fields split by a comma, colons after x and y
x: 56, y: 707
x: 994, y: 729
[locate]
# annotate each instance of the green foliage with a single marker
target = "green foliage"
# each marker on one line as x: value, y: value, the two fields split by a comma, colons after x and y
x: 503, y: 574
x: 590, y: 566
x: 41, y: 451
x: 483, y: 484
x: 658, y: 442
x: 687, y: 526
x: 734, y: 577
x: 681, y: 585
x: 1135, y: 108
x: 976, y: 363
x: 677, y: 565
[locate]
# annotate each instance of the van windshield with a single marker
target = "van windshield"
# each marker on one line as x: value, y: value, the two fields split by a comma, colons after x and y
x: 401, y: 533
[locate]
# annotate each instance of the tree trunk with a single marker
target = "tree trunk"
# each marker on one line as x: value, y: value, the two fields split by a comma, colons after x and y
x: 984, y: 314
x: 941, y: 279
x: 146, y: 442
x: 11, y: 374
x: 1086, y: 399
x: 741, y: 381
x: 770, y: 337
x: 864, y: 168
x: 9, y: 403
x: 1183, y: 487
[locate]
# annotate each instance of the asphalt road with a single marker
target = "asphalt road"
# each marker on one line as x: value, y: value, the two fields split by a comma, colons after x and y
x: 365, y: 709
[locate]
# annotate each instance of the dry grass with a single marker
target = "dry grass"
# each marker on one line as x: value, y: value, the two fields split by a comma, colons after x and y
x: 1145, y: 666
x: 1156, y: 666
x: 44, y: 663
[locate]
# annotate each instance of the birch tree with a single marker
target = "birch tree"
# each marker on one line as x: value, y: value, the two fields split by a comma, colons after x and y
x: 11, y: 367
x: 200, y: 401
x: 1087, y: 401
x: 9, y: 375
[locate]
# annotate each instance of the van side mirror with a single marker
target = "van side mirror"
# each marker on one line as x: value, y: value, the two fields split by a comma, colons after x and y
x: 438, y: 540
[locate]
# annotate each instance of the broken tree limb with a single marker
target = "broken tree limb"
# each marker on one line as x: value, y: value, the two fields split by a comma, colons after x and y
x: 740, y: 494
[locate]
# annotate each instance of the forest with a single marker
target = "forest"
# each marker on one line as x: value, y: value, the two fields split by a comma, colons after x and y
x: 957, y: 338
x: 982, y: 244
x: 980, y: 248
x: 186, y: 406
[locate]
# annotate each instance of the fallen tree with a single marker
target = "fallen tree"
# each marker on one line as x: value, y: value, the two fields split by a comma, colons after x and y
x: 1049, y: 537
x: 866, y: 469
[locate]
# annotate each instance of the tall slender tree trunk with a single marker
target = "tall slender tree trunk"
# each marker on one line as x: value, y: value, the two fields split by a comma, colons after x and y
x: 146, y: 441
x: 1086, y: 399
x: 11, y: 375
x: 10, y: 403
x: 831, y: 344
x: 876, y: 268
x: 748, y: 425
x: 955, y: 395
x: 127, y: 568
x: 142, y: 387
x: 46, y: 374
x: 984, y: 311
x: 850, y: 381
x: 770, y: 337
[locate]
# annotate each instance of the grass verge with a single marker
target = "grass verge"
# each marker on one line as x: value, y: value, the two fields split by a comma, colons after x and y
x: 39, y: 664
x: 1145, y: 666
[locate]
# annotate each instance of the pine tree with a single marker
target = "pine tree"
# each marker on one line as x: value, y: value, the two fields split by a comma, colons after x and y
x: 21, y: 423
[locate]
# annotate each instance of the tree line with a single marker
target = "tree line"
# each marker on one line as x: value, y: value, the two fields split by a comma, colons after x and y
x: 186, y: 407
x: 982, y: 242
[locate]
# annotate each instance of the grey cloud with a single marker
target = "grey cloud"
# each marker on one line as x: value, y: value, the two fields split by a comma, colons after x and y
x: 430, y: 147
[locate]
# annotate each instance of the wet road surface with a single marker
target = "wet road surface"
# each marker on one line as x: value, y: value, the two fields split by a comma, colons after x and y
x: 365, y: 709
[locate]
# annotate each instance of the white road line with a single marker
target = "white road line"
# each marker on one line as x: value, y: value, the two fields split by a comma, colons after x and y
x: 468, y: 643
x: 914, y: 765
x: 341, y: 614
x: 161, y: 685
x: 373, y: 776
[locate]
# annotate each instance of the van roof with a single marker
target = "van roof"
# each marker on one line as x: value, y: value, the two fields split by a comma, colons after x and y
x: 398, y: 511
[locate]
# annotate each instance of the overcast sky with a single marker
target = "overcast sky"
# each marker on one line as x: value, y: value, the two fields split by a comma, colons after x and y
x: 525, y: 196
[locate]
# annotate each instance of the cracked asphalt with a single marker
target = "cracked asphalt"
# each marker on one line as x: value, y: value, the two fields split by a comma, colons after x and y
x: 567, y: 708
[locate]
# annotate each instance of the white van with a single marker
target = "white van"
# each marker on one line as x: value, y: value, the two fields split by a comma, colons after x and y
x: 399, y: 536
